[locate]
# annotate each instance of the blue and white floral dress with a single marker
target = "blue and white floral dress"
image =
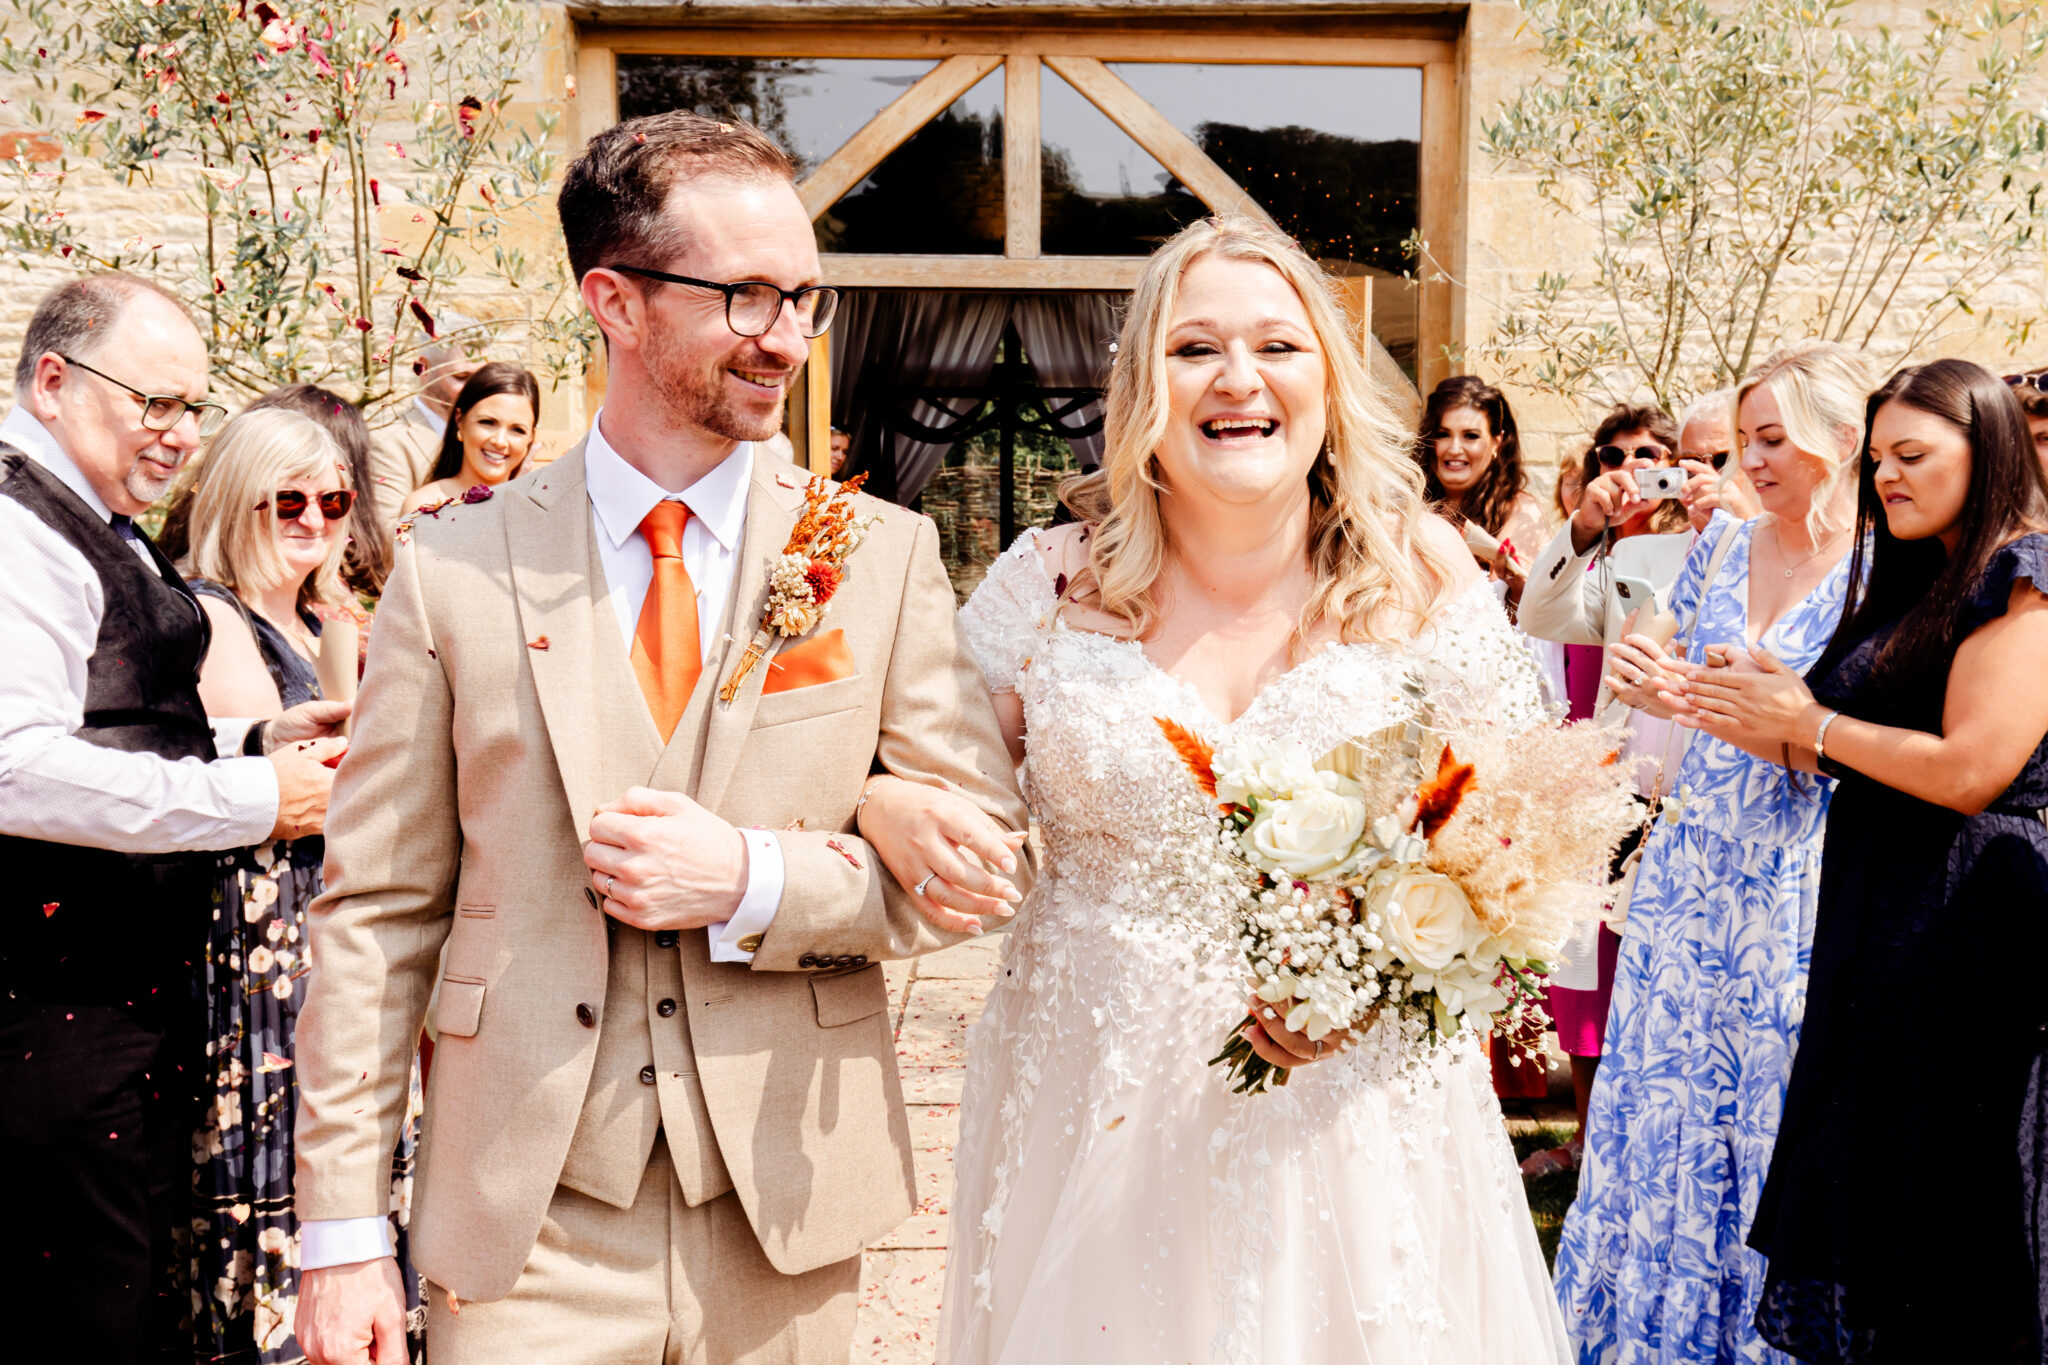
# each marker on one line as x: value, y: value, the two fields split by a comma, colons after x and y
x: 1708, y: 995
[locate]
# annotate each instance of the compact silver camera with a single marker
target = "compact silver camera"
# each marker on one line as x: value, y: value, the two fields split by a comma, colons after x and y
x: 1660, y: 483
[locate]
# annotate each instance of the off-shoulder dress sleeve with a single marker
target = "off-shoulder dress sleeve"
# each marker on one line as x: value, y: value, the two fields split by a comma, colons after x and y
x: 1007, y: 612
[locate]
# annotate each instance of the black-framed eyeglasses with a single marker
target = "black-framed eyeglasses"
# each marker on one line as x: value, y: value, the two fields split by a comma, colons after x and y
x: 162, y: 411
x: 2037, y: 381
x: 291, y: 503
x: 752, y: 306
x: 1614, y: 457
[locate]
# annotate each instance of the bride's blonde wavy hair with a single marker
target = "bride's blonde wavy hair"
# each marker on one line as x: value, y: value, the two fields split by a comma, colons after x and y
x: 1375, y: 579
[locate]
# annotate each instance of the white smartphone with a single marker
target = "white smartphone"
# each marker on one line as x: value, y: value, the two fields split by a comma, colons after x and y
x: 1660, y: 483
x: 1635, y: 594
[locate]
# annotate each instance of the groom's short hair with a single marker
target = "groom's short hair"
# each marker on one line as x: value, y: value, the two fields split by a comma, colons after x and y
x: 613, y: 195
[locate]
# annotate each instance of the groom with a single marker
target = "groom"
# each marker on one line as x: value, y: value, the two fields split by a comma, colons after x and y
x: 664, y: 1116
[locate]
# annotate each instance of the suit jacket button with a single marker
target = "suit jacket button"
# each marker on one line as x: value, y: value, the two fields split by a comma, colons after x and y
x: 586, y: 1016
x: 666, y: 938
x: 665, y: 1008
x: 807, y: 960
x: 591, y: 896
x: 647, y: 1075
x: 844, y: 960
x: 860, y: 959
x: 751, y: 943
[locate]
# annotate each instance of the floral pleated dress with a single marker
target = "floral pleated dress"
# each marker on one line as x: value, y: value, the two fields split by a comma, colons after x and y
x: 1709, y: 990
x: 245, y: 1236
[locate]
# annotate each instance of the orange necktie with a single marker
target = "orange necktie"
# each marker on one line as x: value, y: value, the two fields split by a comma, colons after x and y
x: 667, y: 656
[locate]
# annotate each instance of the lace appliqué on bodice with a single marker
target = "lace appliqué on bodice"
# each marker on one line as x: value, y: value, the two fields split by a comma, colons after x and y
x: 1156, y: 981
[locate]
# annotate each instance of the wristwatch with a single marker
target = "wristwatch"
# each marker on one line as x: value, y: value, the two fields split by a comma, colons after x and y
x: 252, y: 743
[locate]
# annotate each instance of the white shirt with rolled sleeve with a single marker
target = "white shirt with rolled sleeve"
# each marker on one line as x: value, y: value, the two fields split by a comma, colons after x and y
x: 54, y: 785
x: 620, y: 499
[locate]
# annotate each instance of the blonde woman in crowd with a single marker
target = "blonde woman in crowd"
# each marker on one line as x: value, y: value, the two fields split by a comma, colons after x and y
x: 272, y: 512
x: 1712, y: 969
x: 1254, y: 559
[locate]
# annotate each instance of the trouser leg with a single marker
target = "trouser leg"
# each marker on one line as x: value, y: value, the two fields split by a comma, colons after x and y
x: 731, y: 1307
x: 95, y: 1131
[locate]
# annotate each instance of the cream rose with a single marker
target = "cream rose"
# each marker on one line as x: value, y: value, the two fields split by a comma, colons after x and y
x: 1310, y: 833
x: 1259, y: 769
x: 1427, y: 921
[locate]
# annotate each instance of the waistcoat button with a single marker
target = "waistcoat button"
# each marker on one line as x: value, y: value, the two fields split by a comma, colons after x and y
x: 666, y: 938
x: 647, y: 1075
x: 665, y: 1008
x: 586, y: 1016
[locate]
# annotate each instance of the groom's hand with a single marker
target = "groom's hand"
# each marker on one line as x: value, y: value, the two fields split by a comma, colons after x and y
x: 352, y: 1314
x: 658, y: 860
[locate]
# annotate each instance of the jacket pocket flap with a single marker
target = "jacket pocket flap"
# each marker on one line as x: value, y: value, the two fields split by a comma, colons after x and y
x: 459, y: 1008
x: 844, y: 999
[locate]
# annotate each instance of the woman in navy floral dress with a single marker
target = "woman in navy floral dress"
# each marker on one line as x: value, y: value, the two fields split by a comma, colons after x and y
x: 1928, y: 706
x: 1711, y: 976
x: 283, y: 559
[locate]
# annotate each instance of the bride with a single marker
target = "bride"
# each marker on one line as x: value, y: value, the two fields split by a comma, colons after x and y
x: 1255, y: 560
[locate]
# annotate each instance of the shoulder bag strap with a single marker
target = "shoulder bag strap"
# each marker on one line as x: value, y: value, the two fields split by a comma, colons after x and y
x: 1680, y: 736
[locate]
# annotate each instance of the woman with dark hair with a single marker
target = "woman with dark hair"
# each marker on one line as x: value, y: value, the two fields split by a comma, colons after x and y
x: 490, y: 434
x: 1927, y: 704
x: 1471, y: 459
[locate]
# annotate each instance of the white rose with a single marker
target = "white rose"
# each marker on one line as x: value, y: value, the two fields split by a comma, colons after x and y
x: 1428, y: 921
x: 1310, y: 833
x: 1257, y: 768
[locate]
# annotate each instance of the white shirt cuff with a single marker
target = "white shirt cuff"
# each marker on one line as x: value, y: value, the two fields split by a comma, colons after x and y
x: 325, y: 1242
x: 229, y: 734
x: 757, y: 907
x: 252, y: 789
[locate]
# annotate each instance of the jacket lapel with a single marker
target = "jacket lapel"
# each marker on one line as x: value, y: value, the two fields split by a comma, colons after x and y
x: 772, y: 509
x: 603, y: 738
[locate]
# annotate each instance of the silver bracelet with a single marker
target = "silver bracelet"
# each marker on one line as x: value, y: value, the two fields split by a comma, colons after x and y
x: 865, y: 791
x: 1820, y: 735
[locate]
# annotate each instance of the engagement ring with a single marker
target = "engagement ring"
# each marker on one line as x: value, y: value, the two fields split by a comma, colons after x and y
x: 919, y: 888
x: 610, y: 878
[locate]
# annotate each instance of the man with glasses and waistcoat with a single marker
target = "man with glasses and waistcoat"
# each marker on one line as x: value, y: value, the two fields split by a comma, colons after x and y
x: 114, y: 804
x: 664, y: 1116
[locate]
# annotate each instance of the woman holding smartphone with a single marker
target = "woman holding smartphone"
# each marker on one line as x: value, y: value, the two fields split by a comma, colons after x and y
x: 1712, y: 968
x: 1928, y: 706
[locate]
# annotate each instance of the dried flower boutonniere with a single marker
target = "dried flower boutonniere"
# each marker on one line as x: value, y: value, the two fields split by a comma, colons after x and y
x: 808, y: 572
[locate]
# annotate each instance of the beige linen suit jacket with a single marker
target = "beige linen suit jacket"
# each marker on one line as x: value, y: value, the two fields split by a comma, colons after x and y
x: 402, y: 456
x: 498, y: 711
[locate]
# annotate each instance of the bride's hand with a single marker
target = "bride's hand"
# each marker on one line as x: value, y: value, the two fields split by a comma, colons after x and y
x: 1282, y: 1046
x: 931, y: 836
x: 1639, y: 673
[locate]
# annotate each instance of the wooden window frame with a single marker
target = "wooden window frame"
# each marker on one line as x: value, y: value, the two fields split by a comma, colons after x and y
x: 967, y: 50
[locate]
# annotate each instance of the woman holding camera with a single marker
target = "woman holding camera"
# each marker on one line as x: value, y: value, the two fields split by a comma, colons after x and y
x: 1712, y: 969
x: 1928, y: 706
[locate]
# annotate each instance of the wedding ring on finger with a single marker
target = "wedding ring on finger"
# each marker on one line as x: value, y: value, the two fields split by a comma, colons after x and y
x: 610, y: 880
x: 918, y: 890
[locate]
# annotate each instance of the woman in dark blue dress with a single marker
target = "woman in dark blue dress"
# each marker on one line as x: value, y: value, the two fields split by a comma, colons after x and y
x: 1930, y: 708
x: 271, y: 509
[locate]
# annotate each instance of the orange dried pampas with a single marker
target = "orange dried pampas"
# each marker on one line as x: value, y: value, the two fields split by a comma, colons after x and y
x: 1198, y: 754
x: 1437, y: 799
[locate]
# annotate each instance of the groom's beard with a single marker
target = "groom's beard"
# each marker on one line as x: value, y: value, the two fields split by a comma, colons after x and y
x: 700, y: 398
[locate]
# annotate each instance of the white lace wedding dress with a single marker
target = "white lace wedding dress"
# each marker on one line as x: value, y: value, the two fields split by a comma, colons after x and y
x: 1114, y: 1202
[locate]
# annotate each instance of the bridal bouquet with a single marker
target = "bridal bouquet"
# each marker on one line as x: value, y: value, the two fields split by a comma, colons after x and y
x: 1432, y: 875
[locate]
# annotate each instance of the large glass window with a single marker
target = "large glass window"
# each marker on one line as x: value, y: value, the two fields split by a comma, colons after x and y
x: 940, y: 193
x: 810, y: 105
x: 1332, y: 152
x: 1102, y: 194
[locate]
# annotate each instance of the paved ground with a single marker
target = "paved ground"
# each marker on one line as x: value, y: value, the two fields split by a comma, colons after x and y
x: 935, y: 998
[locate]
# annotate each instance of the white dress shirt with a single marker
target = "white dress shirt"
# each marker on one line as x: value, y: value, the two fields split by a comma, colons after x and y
x: 620, y: 499
x: 54, y: 785
x: 433, y: 419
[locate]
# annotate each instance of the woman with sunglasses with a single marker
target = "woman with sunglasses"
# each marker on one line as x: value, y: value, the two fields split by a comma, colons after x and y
x: 1710, y: 979
x: 1615, y: 550
x: 271, y: 513
x: 489, y: 435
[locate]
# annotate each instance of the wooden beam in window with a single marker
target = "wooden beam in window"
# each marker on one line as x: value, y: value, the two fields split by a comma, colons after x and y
x: 595, y: 109
x: 983, y: 272
x: 817, y: 388
x: 1437, y: 218
x: 1152, y: 131
x: 891, y: 128
x: 1021, y: 187
x: 1342, y: 41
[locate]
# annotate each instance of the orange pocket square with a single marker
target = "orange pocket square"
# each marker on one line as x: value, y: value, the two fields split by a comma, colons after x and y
x: 820, y: 659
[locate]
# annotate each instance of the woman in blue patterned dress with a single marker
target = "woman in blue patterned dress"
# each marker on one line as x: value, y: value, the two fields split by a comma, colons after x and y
x: 272, y: 507
x: 1711, y: 977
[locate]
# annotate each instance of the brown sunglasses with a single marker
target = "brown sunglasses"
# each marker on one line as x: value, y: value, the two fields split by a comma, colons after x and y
x: 1614, y: 457
x: 291, y: 503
